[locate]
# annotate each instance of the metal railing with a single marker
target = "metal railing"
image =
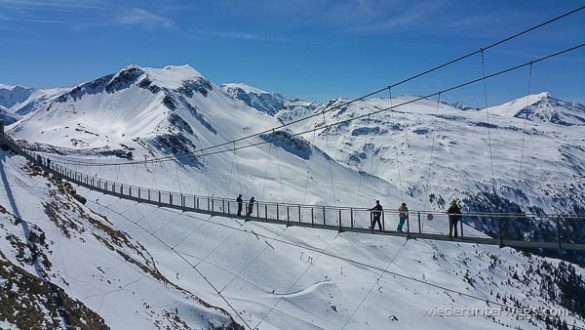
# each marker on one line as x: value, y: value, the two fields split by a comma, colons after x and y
x: 518, y: 230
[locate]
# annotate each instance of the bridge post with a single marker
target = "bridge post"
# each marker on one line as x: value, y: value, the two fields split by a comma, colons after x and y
x: 208, y: 204
x: 324, y: 221
x: 351, y: 216
x: 196, y: 202
x: 419, y: 227
x: 383, y: 222
x: 300, y: 214
x: 223, y: 205
x: 257, y: 210
x: 287, y: 215
x: 312, y: 217
x: 228, y: 208
x: 559, y: 231
x: 122, y: 189
x: 277, y: 212
x: 461, y: 226
x: 159, y: 197
x: 139, y: 194
x: 407, y: 225
x: 265, y: 212
x: 182, y: 201
x: 339, y: 222
x: 148, y: 193
x: 501, y: 231
x: 170, y: 198
x: 212, y: 205
x: 130, y: 190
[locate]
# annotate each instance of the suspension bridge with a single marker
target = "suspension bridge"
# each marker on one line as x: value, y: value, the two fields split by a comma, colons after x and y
x: 543, y: 231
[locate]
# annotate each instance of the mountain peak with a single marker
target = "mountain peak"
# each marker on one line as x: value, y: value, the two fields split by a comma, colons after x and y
x: 244, y: 87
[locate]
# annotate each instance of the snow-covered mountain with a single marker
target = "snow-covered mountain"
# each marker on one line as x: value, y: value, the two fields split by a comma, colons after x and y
x: 16, y: 101
x: 285, y: 108
x: 131, y: 265
x: 544, y: 108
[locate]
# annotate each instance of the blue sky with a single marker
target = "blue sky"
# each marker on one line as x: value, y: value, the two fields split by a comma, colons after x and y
x: 314, y: 49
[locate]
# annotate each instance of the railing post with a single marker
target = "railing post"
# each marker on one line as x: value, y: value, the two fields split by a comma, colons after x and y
x: 228, y: 208
x: 130, y: 190
x: 223, y: 205
x: 324, y: 221
x: 339, y: 221
x: 159, y: 197
x: 461, y: 226
x: 383, y: 223
x: 121, y: 189
x: 419, y: 227
x: 312, y: 217
x: 277, y: 212
x: 148, y: 193
x: 407, y: 225
x: 559, y: 231
x: 300, y: 214
x: 287, y: 215
x: 257, y: 210
x: 501, y: 231
x: 208, y: 204
x: 266, y: 211
x: 170, y: 198
x: 212, y: 205
x: 351, y: 217
x: 196, y: 202
x: 182, y: 200
x: 139, y: 194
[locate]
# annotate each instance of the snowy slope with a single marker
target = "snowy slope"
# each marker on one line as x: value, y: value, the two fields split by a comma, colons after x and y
x: 115, y: 257
x: 83, y: 252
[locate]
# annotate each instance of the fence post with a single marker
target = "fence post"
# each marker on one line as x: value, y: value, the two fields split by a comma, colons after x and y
x: 277, y: 212
x: 257, y: 210
x: 351, y: 216
x: 148, y: 193
x: 287, y: 215
x: 223, y: 205
x: 461, y: 226
x: 312, y: 217
x: 196, y: 202
x: 324, y: 221
x: 228, y: 208
x: 170, y: 198
x: 182, y: 201
x: 122, y: 189
x: 212, y: 205
x: 339, y: 229
x: 266, y: 212
x: 407, y: 225
x: 419, y: 228
x: 159, y: 197
x: 208, y: 204
x: 130, y: 190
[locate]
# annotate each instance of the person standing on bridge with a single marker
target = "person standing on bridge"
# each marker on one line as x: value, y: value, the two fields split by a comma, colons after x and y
x: 376, y: 213
x: 240, y: 204
x: 454, y: 213
x: 402, y: 216
x: 250, y: 207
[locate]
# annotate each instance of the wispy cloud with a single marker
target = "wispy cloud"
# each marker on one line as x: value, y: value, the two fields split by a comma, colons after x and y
x: 144, y: 18
x: 239, y: 35
x: 52, y: 4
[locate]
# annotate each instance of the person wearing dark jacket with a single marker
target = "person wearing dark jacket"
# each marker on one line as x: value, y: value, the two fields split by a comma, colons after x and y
x: 250, y: 207
x: 454, y: 213
x: 376, y: 213
x: 240, y: 204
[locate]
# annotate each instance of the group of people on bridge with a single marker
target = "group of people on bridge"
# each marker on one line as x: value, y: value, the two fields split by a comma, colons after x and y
x: 454, y: 213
